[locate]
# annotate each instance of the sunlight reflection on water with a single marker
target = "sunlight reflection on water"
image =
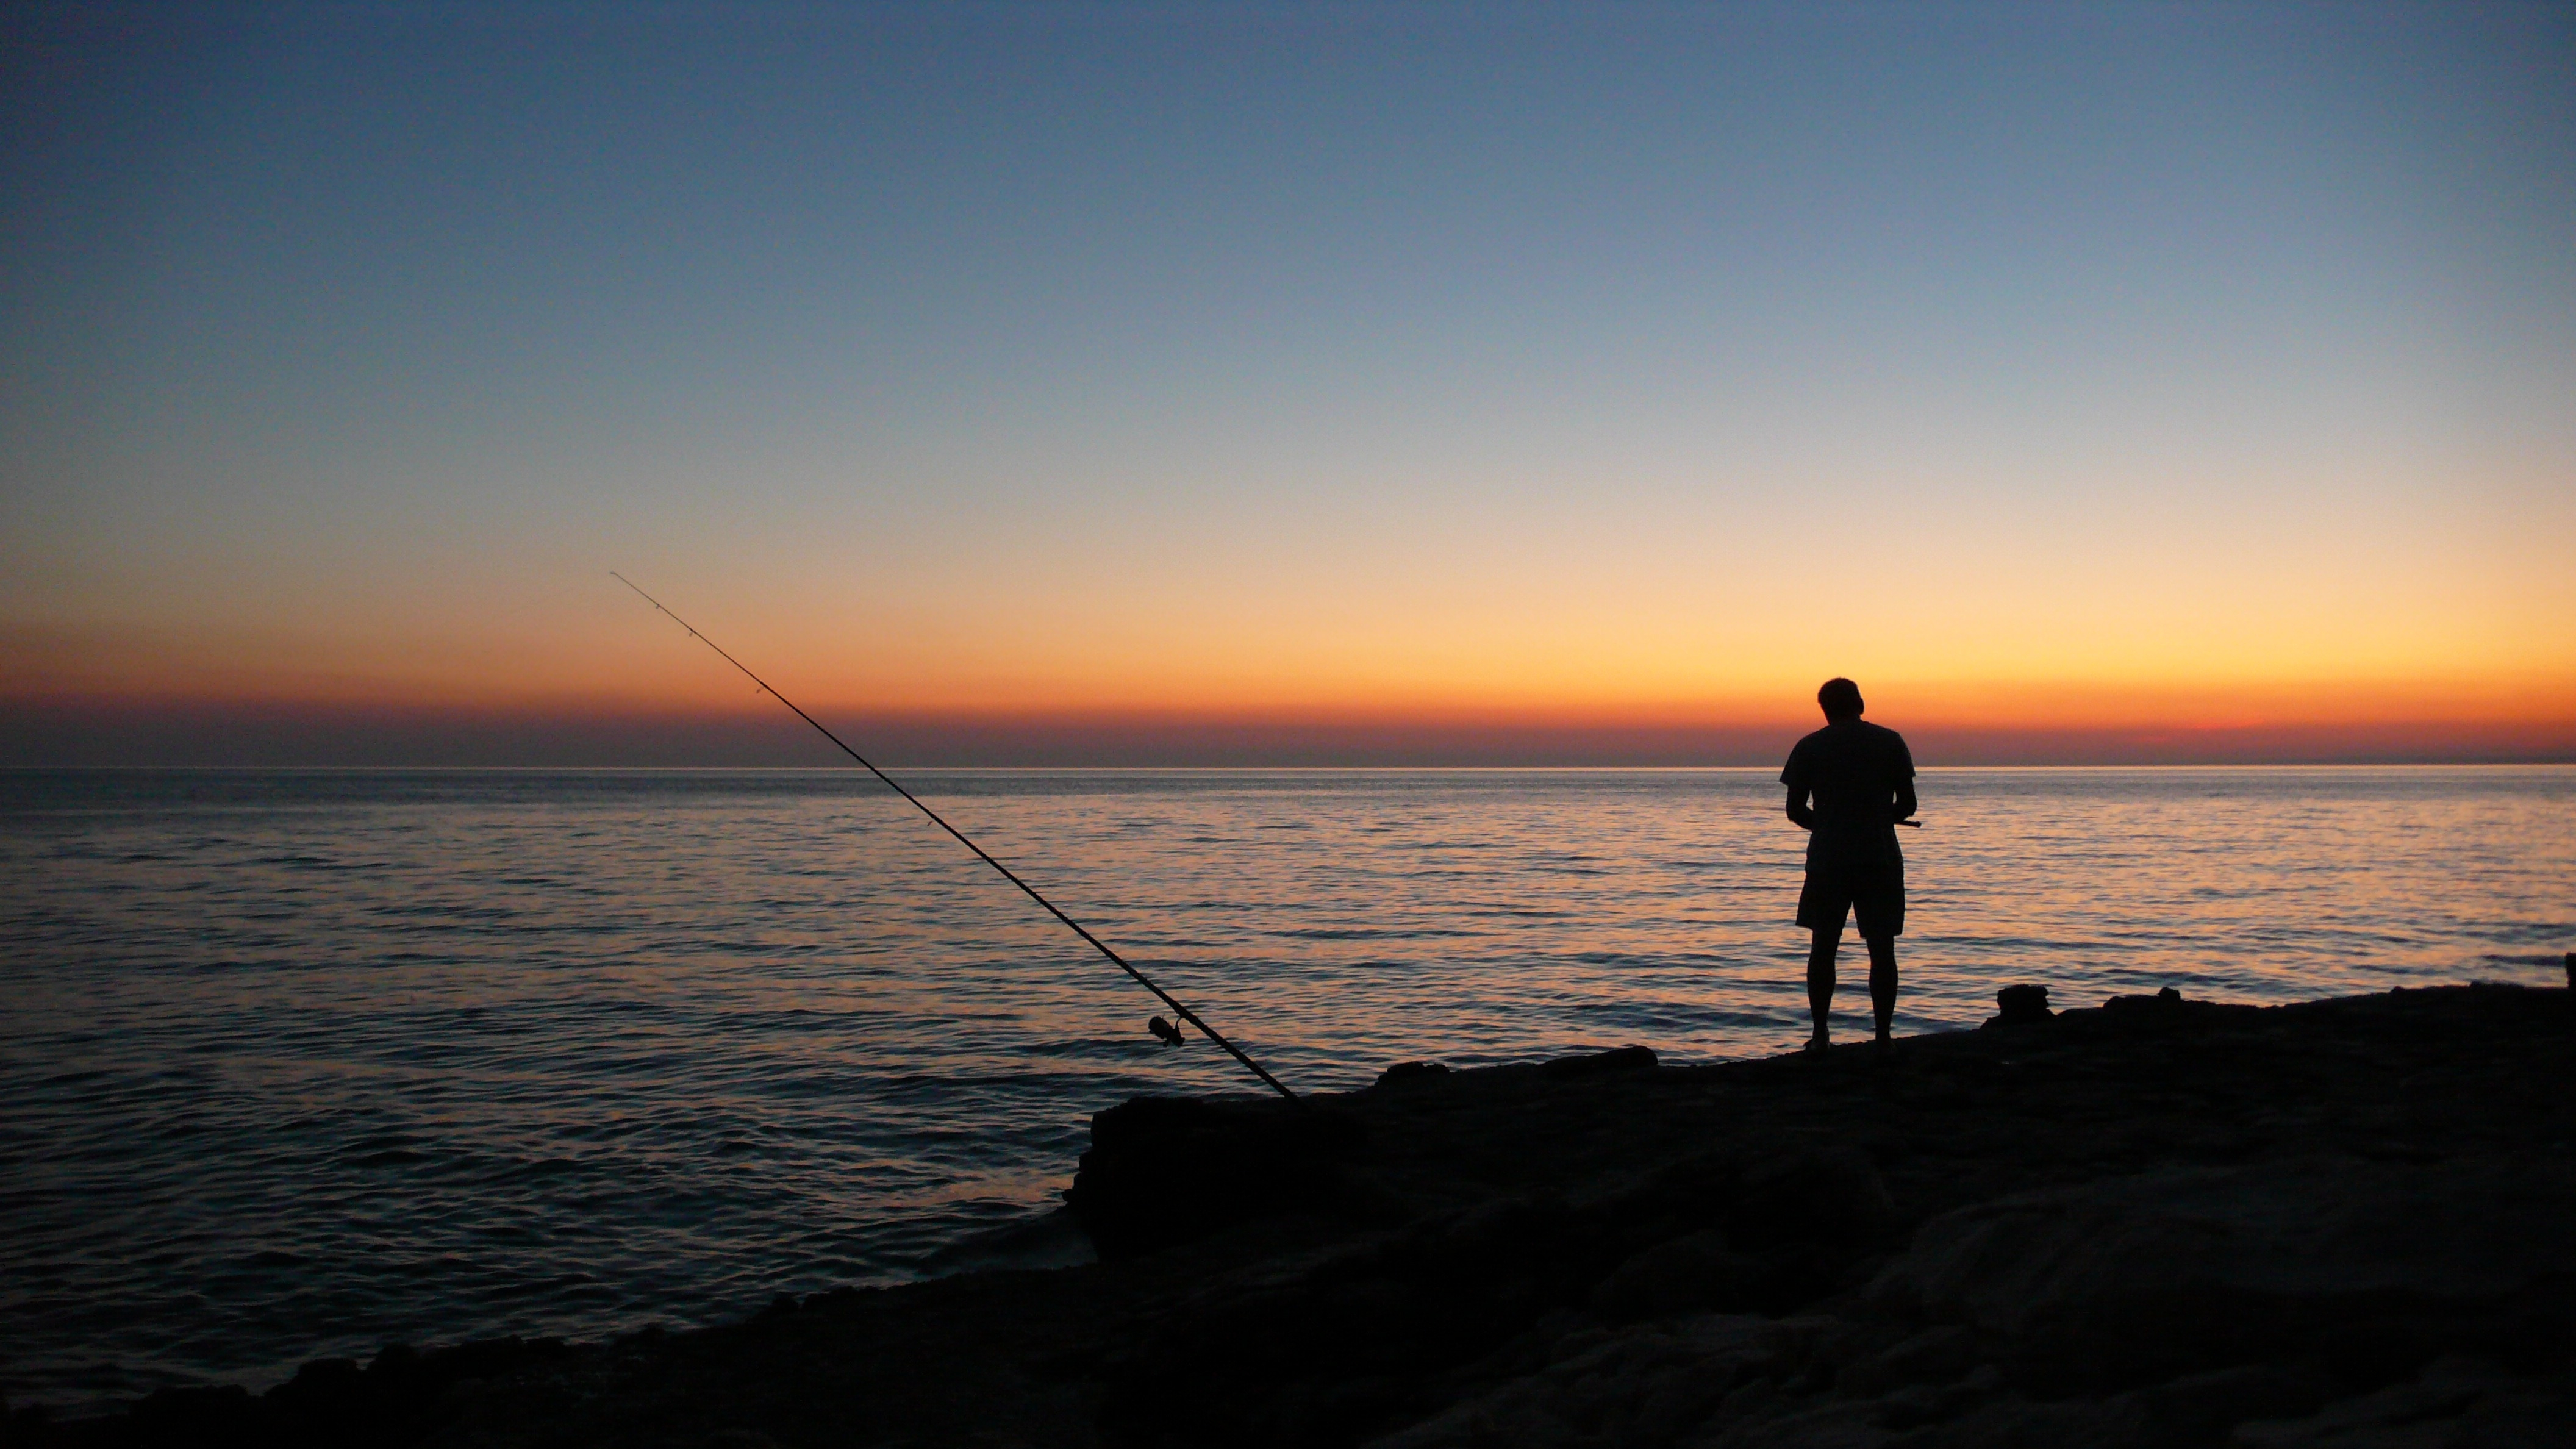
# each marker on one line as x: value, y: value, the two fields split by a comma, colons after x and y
x: 300, y: 1062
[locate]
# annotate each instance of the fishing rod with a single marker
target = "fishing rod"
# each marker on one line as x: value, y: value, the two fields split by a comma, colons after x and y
x: 1183, y: 1012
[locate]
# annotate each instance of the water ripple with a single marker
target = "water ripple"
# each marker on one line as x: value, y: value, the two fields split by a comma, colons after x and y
x: 302, y: 1062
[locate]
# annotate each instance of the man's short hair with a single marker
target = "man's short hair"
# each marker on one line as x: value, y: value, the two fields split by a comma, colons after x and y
x: 1840, y: 699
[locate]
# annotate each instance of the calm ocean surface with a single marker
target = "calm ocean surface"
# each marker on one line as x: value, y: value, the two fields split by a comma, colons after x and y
x: 297, y: 1063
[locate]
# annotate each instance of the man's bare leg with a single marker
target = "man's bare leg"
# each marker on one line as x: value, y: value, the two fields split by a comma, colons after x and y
x: 1820, y: 982
x: 1882, y: 980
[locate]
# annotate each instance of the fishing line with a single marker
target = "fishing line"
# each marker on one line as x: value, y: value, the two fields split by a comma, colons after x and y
x: 1183, y: 1012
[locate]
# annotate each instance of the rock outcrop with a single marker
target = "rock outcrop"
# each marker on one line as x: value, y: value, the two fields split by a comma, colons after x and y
x: 2153, y: 1225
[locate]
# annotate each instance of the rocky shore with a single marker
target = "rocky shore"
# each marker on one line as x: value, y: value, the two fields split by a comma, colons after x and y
x: 2155, y: 1222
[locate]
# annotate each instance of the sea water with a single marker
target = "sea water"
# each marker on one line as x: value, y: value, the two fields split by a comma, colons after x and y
x: 298, y: 1063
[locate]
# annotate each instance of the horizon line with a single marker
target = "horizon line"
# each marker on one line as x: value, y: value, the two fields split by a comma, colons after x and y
x: 2568, y: 762
x: 179, y: 735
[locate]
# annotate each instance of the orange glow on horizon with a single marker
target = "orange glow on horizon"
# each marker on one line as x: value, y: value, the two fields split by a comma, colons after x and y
x: 1564, y: 671
x: 665, y: 674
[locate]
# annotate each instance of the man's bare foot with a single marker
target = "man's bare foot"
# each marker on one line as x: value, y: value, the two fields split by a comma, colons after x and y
x: 1817, y: 1043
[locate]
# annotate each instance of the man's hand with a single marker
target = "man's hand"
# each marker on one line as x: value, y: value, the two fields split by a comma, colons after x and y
x: 1799, y: 812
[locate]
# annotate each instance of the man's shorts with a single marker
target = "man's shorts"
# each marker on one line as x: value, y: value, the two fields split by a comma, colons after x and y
x: 1875, y: 892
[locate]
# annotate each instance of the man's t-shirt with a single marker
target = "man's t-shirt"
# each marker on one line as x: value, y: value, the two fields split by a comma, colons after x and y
x: 1853, y: 769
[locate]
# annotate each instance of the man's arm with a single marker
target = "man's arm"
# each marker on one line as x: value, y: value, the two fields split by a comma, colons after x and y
x: 1905, y: 806
x: 1799, y: 776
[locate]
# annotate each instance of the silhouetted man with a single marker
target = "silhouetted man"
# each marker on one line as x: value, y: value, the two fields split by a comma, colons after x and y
x: 1861, y: 778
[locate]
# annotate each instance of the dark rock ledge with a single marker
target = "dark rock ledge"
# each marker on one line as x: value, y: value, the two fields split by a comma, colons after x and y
x: 2156, y: 1223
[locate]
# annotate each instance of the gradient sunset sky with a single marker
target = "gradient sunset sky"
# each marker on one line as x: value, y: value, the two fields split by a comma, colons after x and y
x: 1293, y: 384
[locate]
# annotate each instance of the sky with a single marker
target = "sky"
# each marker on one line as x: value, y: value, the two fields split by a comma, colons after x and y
x: 1286, y: 384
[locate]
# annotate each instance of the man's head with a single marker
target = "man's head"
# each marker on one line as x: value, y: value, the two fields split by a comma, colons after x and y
x: 1840, y: 698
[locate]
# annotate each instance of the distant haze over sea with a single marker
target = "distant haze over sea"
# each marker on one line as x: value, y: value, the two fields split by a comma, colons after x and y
x: 96, y: 733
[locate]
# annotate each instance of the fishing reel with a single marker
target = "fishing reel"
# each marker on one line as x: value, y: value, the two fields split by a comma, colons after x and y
x: 1165, y: 1031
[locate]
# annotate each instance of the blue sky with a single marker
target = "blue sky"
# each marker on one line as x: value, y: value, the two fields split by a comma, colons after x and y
x: 1282, y: 357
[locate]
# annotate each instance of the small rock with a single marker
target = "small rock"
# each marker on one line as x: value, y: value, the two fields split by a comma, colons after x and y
x: 2200, y: 1409
x: 1831, y: 1196
x: 2163, y: 1001
x: 1411, y: 1072
x: 2440, y: 1407
x: 1936, y: 1355
x: 2024, y: 1424
x: 1620, y: 1059
x: 1692, y: 1272
x: 2123, y: 1282
x: 214, y: 1412
x: 2017, y: 1005
x: 1166, y: 1170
